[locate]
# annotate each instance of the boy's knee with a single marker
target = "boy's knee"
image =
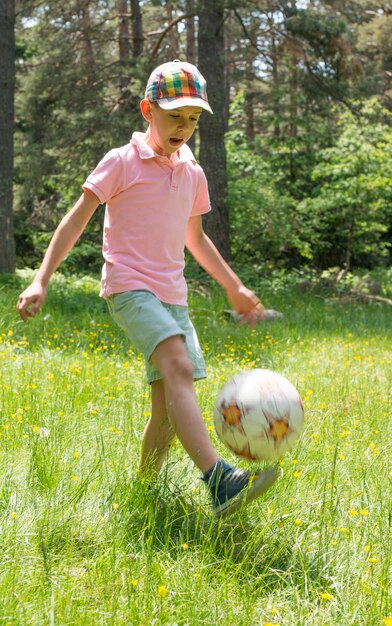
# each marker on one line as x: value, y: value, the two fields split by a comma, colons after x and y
x: 179, y: 368
x: 172, y: 360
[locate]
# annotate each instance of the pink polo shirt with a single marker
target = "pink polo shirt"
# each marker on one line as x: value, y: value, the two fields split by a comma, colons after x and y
x: 149, y: 200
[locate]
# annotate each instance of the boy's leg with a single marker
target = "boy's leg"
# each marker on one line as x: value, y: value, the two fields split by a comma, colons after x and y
x: 158, y: 432
x: 171, y: 359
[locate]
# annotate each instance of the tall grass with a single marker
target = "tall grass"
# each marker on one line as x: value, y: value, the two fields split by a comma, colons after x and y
x: 83, y: 542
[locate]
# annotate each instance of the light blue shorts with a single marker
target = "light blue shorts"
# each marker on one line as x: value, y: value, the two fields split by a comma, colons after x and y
x: 147, y: 322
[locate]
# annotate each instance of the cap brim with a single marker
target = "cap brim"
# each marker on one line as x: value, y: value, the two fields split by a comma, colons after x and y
x: 175, y: 103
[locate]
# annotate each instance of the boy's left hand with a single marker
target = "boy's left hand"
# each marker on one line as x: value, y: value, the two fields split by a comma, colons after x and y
x: 247, y: 305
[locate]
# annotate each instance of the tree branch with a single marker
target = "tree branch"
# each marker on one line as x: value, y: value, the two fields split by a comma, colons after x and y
x: 167, y: 29
x: 247, y: 33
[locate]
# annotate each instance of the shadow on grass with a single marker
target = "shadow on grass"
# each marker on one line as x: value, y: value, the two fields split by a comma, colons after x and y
x: 254, y: 551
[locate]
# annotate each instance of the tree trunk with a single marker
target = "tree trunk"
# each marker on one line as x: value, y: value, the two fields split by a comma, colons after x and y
x: 172, y: 35
x: 293, y: 87
x: 87, y: 43
x: 190, y: 33
x: 123, y: 43
x: 275, y: 85
x: 7, y: 85
x: 191, y: 51
x: 249, y: 102
x: 137, y: 29
x: 212, y: 127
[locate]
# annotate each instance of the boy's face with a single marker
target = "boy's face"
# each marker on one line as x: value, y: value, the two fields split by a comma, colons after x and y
x: 169, y: 130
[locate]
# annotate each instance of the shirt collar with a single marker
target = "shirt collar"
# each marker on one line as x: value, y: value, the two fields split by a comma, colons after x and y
x: 146, y: 152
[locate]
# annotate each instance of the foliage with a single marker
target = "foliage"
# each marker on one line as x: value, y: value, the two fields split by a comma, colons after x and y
x: 69, y: 112
x: 287, y: 65
x: 263, y: 220
x: 340, y: 211
x: 351, y: 206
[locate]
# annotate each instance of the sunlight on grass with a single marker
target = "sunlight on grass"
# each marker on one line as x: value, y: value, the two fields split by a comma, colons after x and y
x: 84, y: 542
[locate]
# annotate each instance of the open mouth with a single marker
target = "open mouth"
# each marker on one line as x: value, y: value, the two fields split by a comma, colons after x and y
x: 175, y: 142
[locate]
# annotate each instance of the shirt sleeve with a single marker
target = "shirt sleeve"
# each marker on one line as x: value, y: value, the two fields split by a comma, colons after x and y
x: 107, y: 179
x: 202, y: 202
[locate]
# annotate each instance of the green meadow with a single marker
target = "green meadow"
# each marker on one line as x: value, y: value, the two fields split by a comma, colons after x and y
x: 84, y: 542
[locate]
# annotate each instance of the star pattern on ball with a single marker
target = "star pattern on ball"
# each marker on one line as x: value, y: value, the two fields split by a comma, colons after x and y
x: 279, y: 429
x: 232, y: 414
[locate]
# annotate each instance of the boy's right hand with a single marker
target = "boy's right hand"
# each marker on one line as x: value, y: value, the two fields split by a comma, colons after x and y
x: 31, y: 300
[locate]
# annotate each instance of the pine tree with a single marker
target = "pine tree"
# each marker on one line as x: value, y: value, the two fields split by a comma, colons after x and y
x: 212, y: 127
x: 7, y: 80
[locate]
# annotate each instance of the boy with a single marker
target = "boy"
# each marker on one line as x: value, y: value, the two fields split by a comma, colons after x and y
x: 155, y: 194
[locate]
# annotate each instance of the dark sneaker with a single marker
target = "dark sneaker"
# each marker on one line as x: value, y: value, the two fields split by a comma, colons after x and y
x: 233, y: 488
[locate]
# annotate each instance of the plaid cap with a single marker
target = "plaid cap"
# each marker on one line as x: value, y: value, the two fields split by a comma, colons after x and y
x: 177, y: 84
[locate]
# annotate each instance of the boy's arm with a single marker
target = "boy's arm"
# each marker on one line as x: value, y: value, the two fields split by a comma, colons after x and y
x: 243, y: 300
x: 65, y: 236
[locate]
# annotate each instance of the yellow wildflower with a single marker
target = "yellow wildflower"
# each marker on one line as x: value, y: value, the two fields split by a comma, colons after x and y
x: 162, y: 591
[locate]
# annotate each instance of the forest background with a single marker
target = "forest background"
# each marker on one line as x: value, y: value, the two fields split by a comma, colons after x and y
x: 298, y: 153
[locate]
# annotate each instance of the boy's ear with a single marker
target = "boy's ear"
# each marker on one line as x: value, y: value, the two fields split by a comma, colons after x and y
x: 145, y: 107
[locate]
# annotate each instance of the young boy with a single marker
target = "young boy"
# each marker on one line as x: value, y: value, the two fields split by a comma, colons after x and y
x: 155, y: 194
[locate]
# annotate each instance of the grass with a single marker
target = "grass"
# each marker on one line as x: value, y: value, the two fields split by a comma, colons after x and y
x: 84, y: 543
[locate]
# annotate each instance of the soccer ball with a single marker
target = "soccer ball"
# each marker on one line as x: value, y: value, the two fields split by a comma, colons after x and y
x: 259, y: 415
